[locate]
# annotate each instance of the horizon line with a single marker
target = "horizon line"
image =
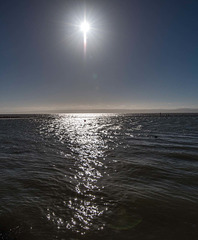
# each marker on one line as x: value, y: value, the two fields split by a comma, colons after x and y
x: 110, y: 110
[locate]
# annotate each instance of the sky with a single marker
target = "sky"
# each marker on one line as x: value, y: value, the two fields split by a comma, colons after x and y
x: 141, y: 54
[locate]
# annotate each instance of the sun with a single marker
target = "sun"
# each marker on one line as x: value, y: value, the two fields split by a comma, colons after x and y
x: 85, y: 27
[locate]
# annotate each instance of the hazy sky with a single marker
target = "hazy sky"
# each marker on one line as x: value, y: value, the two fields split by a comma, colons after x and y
x: 140, y: 54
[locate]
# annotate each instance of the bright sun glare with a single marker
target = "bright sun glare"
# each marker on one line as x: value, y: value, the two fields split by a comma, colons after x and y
x: 85, y: 27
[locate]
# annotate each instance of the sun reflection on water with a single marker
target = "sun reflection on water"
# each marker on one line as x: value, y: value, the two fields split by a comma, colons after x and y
x: 81, y: 133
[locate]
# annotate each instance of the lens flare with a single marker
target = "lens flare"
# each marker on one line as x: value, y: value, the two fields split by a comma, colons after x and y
x: 85, y: 27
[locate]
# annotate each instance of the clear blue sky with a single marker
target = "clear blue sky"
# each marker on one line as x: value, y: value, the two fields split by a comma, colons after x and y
x: 140, y: 54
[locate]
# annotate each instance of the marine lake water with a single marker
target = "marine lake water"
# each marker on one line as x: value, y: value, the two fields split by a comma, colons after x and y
x: 99, y: 176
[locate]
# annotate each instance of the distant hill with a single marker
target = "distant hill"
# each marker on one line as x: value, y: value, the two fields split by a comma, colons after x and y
x: 178, y: 110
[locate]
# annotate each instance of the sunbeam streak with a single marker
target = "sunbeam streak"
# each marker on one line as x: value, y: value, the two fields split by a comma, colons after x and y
x: 85, y: 28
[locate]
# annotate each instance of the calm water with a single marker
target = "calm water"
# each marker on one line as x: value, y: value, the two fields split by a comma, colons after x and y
x: 99, y: 176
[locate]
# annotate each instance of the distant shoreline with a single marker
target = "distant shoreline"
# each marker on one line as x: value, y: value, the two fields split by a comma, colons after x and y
x: 138, y: 111
x: 161, y: 112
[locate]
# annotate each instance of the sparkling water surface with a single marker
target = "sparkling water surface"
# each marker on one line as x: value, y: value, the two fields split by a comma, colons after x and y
x: 99, y: 176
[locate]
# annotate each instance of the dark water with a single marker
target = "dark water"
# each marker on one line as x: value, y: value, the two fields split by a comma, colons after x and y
x: 99, y: 176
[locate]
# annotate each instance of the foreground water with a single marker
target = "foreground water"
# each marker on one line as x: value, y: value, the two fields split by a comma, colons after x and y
x: 93, y: 176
